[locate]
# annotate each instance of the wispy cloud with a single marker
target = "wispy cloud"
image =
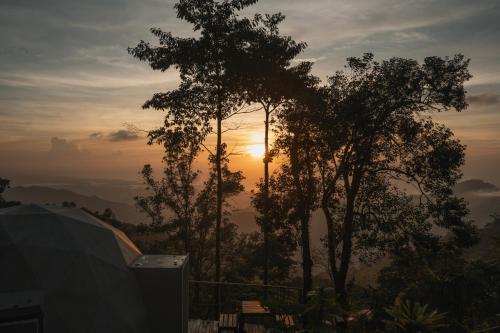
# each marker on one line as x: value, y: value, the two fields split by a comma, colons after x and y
x: 62, y: 148
x: 96, y: 135
x: 311, y: 59
x: 124, y: 135
x: 85, y: 80
x: 484, y: 99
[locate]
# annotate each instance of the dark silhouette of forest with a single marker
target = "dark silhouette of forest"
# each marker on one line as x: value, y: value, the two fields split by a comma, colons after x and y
x: 350, y: 147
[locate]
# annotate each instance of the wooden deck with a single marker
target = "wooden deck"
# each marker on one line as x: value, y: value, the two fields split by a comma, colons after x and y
x: 206, y: 326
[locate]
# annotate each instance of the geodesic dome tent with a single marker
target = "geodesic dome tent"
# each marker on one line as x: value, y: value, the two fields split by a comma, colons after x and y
x: 78, y: 264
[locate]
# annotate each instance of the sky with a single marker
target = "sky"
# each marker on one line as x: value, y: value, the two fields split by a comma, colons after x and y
x: 71, y: 96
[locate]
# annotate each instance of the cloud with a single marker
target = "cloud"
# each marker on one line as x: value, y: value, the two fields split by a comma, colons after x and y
x: 410, y: 36
x: 495, y: 194
x: 484, y: 99
x: 311, y: 59
x: 62, y: 148
x: 123, y: 135
x: 96, y: 135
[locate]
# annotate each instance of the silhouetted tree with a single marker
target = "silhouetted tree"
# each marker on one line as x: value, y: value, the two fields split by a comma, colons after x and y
x: 185, y: 216
x: 281, y: 243
x: 4, y: 185
x: 298, y: 178
x: 210, y: 68
x: 376, y: 131
x: 205, y: 217
x: 109, y: 216
x: 271, y: 82
x: 175, y: 191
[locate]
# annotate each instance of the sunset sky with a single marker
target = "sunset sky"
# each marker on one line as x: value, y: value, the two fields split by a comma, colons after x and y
x: 71, y: 96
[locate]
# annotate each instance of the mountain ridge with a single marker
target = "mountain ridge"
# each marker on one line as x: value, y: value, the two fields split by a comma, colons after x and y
x: 47, y: 195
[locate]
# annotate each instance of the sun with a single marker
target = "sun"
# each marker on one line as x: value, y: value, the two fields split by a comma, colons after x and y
x: 256, y: 150
x: 255, y: 145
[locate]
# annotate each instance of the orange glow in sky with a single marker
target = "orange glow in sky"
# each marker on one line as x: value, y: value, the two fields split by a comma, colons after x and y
x: 256, y: 150
x: 255, y: 147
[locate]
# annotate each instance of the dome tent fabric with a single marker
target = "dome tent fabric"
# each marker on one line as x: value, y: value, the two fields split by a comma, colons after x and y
x: 77, y: 262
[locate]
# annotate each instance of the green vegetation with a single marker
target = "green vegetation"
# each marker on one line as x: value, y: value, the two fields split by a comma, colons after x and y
x: 412, y: 317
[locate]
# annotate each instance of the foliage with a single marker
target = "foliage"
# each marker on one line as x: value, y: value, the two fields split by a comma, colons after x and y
x: 296, y: 180
x: 345, y: 148
x: 184, y: 216
x: 271, y: 82
x: 438, y: 275
x: 496, y: 253
x: 282, y: 236
x: 212, y: 69
x: 4, y: 185
x: 410, y: 317
x: 374, y: 132
x: 322, y: 311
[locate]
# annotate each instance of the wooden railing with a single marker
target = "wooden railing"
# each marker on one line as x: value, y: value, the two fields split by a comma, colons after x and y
x: 203, y: 296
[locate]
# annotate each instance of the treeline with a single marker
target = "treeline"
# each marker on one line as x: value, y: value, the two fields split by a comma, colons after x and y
x: 361, y: 147
x: 4, y: 185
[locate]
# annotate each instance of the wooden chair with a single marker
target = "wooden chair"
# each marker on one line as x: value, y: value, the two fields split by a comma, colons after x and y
x: 228, y: 322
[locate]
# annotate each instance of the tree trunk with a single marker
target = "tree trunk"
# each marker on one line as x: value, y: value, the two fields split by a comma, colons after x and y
x: 304, y: 216
x: 218, y: 222
x: 341, y: 276
x: 306, y: 256
x: 331, y: 243
x: 267, y: 220
x: 187, y: 225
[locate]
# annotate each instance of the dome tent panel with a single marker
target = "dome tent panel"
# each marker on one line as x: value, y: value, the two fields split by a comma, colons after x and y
x: 17, y: 274
x: 43, y: 230
x: 95, y: 241
x: 77, y: 262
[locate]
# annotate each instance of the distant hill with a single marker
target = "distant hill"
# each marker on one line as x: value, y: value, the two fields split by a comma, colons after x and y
x: 475, y: 185
x: 116, y: 190
x: 483, y: 199
x: 46, y: 195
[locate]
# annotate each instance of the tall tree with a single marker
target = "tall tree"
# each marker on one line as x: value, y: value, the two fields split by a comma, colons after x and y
x: 376, y: 131
x: 271, y: 81
x: 210, y: 70
x: 280, y: 245
x: 298, y: 178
